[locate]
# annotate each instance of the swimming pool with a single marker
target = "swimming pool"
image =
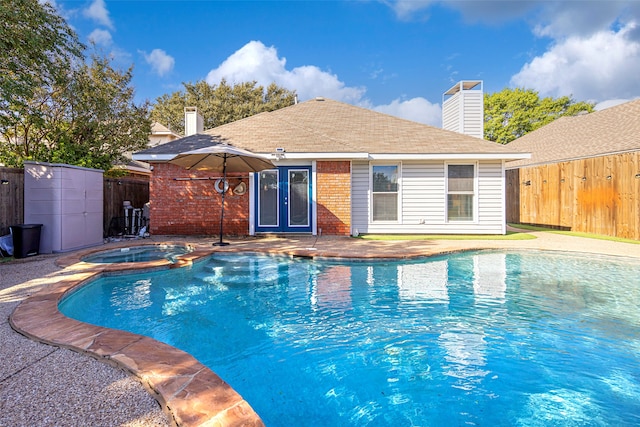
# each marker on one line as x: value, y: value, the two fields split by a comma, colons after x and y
x: 141, y: 253
x: 480, y: 338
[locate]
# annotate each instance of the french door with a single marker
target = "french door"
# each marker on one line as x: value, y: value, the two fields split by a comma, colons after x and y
x: 283, y: 200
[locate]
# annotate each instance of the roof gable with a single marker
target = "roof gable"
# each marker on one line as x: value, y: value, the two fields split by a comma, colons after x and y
x: 613, y: 130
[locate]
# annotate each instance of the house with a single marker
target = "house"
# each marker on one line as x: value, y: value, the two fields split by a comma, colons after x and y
x: 160, y: 134
x: 341, y: 170
x: 583, y: 174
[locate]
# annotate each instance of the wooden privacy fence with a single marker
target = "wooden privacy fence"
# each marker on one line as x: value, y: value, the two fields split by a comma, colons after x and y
x: 11, y: 198
x: 598, y: 195
x: 116, y: 191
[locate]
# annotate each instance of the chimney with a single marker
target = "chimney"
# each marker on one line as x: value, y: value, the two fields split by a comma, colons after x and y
x: 463, y: 108
x: 193, y: 122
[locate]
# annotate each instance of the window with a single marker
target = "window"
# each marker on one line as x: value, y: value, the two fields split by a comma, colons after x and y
x: 385, y: 193
x: 268, y: 198
x: 460, y: 192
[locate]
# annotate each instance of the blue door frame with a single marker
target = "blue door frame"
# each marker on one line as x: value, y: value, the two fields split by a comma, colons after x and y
x: 283, y: 200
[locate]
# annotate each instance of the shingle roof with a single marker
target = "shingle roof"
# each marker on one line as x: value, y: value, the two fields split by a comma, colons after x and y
x: 613, y: 130
x: 187, y: 143
x: 326, y: 126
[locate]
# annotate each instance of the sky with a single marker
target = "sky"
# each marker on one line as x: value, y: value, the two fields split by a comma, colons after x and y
x: 393, y: 56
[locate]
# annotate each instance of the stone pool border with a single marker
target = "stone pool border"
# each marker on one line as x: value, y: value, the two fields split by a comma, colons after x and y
x: 190, y: 393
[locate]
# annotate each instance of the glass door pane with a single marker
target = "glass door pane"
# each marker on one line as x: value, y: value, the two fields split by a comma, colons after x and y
x: 298, y: 198
x: 268, y: 198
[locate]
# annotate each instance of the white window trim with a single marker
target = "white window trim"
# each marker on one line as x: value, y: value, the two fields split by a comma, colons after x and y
x: 399, y: 192
x: 474, y: 220
x: 277, y: 225
x: 308, y: 224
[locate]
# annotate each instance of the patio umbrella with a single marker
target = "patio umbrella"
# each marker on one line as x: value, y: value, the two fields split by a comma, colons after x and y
x: 222, y: 158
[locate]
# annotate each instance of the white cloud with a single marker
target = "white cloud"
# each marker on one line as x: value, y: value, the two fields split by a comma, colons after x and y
x: 598, y: 67
x: 551, y: 18
x: 99, y: 13
x: 100, y: 37
x: 161, y: 63
x: 472, y: 11
x: 594, y: 51
x: 417, y: 109
x: 406, y: 9
x: 576, y: 18
x: 610, y: 103
x: 255, y: 61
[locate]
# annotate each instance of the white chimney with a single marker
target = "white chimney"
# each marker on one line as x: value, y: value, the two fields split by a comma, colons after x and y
x: 193, y: 122
x: 463, y: 108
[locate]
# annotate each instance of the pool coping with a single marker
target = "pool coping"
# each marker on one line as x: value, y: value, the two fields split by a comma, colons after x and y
x: 190, y: 393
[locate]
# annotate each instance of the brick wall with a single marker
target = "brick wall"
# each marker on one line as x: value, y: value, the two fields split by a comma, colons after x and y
x: 334, y: 197
x: 193, y: 207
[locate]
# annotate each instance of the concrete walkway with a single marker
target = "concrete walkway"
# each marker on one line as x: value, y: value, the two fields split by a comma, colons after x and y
x: 47, y: 385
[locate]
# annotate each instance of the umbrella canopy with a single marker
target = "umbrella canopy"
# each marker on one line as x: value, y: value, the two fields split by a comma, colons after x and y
x: 222, y: 158
x: 213, y: 159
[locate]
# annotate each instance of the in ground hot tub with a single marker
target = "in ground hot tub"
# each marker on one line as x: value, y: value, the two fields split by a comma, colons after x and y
x: 142, y: 253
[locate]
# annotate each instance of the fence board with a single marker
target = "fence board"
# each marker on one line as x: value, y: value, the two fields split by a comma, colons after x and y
x: 598, y: 195
x: 11, y: 198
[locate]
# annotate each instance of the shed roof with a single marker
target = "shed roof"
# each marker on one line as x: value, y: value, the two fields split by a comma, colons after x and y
x: 323, y: 127
x: 613, y: 130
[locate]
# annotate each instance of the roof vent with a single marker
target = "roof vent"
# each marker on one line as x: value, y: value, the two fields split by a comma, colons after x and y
x: 319, y: 98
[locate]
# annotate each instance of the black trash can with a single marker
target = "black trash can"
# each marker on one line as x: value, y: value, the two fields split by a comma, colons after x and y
x: 26, y: 239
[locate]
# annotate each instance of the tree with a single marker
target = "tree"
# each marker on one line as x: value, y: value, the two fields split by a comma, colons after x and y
x: 36, y: 48
x: 219, y: 104
x: 512, y: 113
x: 102, y: 122
x: 54, y: 106
x: 87, y: 119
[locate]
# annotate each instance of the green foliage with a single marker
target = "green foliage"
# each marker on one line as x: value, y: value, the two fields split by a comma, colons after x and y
x: 219, y: 104
x: 36, y: 48
x: 86, y: 119
x: 512, y: 113
x: 54, y: 107
x: 104, y: 122
x: 116, y: 173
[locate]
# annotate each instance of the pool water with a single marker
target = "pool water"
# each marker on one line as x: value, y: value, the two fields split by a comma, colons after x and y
x: 478, y: 338
x: 143, y: 253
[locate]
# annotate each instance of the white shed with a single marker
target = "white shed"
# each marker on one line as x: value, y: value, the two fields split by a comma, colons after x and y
x: 68, y: 201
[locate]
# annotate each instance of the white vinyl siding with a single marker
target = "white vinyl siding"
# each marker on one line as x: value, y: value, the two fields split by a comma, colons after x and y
x: 451, y: 115
x: 423, y: 200
x: 473, y: 114
x: 422, y: 192
x: 491, y: 195
x: 359, y: 196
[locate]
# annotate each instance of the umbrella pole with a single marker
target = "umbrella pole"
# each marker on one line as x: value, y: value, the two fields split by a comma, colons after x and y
x: 224, y: 182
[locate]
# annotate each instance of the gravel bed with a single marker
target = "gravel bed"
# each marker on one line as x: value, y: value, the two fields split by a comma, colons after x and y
x: 42, y: 385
